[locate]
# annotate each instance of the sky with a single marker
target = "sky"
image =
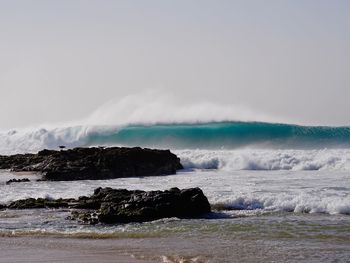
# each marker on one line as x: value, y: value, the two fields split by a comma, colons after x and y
x: 61, y: 60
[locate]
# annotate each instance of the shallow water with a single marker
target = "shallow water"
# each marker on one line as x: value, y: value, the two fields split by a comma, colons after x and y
x: 269, y: 216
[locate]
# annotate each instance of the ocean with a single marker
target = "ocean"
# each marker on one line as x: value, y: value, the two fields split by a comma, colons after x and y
x: 280, y: 192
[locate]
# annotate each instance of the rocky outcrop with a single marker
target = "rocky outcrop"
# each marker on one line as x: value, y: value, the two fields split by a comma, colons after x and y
x: 109, y: 205
x: 94, y: 163
x: 146, y: 206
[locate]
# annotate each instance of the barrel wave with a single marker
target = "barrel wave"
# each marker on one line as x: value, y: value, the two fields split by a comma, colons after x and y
x: 228, y: 135
x: 215, y: 135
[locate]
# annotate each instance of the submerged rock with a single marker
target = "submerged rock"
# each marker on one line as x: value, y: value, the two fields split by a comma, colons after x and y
x: 94, y: 163
x: 17, y: 181
x: 31, y: 203
x: 109, y: 205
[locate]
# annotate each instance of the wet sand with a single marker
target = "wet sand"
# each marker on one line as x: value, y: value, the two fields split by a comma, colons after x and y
x: 42, y: 249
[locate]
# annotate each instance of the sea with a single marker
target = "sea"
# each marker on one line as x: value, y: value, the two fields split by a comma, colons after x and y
x: 279, y: 192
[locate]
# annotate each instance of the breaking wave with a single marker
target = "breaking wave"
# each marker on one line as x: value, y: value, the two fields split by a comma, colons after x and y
x: 302, y: 203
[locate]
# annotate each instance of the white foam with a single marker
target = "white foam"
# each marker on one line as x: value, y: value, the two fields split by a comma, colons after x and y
x: 256, y: 159
x: 293, y: 191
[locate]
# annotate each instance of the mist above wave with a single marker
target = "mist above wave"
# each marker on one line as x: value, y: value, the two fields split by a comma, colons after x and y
x: 159, y: 121
x: 153, y: 107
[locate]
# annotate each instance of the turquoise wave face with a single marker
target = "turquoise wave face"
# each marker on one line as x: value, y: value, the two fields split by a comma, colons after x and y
x: 228, y: 135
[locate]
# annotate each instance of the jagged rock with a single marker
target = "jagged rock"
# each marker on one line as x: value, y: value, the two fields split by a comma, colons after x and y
x: 90, y: 217
x: 94, y: 163
x: 109, y: 205
x: 17, y: 181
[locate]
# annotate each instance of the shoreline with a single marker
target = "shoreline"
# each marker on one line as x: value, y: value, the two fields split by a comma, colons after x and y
x: 241, y: 240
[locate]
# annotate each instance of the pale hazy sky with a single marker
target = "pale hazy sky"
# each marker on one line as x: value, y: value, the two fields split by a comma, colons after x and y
x: 60, y: 60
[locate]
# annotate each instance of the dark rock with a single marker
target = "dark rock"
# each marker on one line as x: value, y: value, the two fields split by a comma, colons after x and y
x: 94, y: 163
x: 17, y: 181
x: 146, y: 206
x: 28, y: 203
x: 109, y: 205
